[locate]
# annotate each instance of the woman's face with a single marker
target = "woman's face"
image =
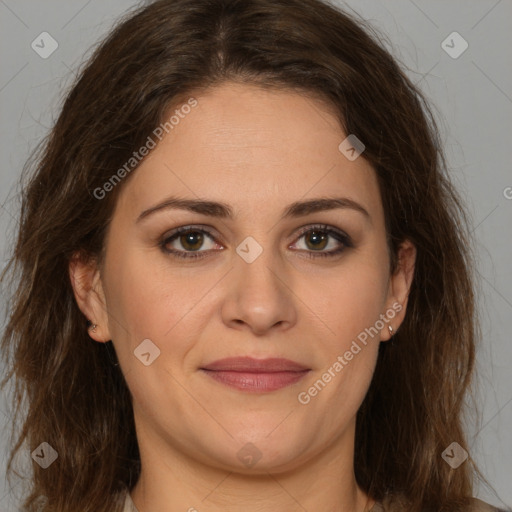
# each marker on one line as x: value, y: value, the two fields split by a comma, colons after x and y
x: 258, y: 275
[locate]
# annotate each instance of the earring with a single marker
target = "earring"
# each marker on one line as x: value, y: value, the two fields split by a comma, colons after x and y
x: 390, y: 330
x: 93, y: 327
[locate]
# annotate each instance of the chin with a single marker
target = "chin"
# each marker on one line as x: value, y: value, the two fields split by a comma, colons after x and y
x: 261, y: 454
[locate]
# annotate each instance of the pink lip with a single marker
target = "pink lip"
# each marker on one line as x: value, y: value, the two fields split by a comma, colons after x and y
x: 251, y: 365
x: 248, y: 374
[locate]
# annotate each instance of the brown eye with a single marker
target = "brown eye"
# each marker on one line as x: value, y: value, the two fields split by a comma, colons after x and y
x: 318, y: 238
x: 192, y: 241
x: 186, y: 240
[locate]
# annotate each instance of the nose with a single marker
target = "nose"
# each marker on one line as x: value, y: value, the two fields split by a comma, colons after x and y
x: 259, y: 297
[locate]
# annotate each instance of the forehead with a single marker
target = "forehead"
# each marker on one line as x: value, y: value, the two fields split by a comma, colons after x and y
x: 252, y: 147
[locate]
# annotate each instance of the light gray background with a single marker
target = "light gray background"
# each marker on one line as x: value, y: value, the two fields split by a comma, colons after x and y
x: 472, y: 95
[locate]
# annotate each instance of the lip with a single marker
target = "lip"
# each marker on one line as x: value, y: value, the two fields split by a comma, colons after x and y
x: 255, y: 375
x: 251, y: 365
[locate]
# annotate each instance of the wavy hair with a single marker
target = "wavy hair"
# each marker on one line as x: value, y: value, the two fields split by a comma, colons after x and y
x: 152, y: 59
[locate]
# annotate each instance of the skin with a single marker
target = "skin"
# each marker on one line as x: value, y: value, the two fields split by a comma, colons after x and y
x: 257, y: 151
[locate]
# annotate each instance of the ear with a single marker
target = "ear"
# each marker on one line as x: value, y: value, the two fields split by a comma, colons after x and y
x: 88, y: 290
x: 399, y: 287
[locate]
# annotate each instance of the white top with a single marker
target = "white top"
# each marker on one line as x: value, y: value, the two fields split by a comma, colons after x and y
x: 129, y: 506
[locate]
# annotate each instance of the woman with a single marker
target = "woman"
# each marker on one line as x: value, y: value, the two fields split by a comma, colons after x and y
x: 247, y: 200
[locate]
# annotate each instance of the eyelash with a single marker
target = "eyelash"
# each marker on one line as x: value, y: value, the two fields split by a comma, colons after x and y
x: 336, y: 234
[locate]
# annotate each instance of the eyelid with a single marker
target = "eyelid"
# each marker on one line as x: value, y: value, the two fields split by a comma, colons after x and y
x: 322, y: 227
x: 173, y: 234
x: 339, y: 235
x: 190, y: 227
x: 212, y: 232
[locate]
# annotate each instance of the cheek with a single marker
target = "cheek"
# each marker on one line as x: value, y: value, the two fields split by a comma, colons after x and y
x: 351, y: 301
x: 144, y: 301
x: 335, y: 392
x: 350, y: 308
x: 149, y: 299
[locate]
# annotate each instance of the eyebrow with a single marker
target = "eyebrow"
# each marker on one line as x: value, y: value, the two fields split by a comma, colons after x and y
x: 224, y: 211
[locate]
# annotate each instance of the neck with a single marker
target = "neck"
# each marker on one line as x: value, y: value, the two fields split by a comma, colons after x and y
x: 171, y: 480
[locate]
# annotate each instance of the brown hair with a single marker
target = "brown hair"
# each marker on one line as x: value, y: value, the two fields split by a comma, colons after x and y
x: 158, y: 55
